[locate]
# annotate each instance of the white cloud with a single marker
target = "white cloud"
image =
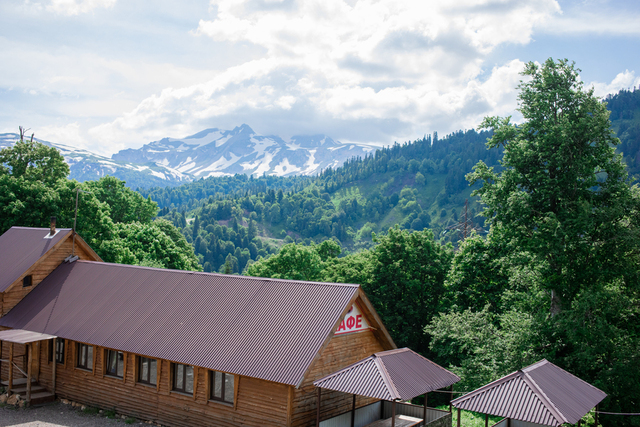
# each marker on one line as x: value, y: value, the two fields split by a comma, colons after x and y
x: 69, y: 134
x: 76, y: 7
x: 385, y: 69
x: 625, y: 80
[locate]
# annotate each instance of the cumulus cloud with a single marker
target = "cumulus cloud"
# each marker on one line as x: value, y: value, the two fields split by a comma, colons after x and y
x: 365, y: 71
x: 624, y: 80
x: 76, y: 7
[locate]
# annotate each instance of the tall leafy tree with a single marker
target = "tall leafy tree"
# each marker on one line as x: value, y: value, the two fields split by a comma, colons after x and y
x: 563, y: 195
x: 34, y: 161
x: 565, y: 232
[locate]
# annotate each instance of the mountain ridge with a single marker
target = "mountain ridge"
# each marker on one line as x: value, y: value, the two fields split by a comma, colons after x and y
x: 208, y: 153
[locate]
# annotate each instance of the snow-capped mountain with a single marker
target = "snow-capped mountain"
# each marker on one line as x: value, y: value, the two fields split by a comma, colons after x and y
x: 216, y: 152
x: 212, y: 152
x: 85, y: 165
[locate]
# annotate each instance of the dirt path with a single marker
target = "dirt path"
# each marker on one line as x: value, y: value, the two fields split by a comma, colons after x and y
x: 59, y: 415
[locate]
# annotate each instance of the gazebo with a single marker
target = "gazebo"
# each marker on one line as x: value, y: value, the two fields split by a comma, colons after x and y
x: 394, y: 375
x: 539, y: 395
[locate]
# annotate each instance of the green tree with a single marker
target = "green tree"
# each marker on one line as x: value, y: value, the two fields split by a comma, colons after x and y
x: 407, y: 283
x: 564, y: 195
x: 294, y: 262
x: 564, y: 244
x: 33, y: 161
x: 146, y: 244
x: 125, y: 204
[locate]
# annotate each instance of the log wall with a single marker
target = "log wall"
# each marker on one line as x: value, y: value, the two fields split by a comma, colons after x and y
x: 257, y: 403
x: 341, y: 351
x: 41, y: 269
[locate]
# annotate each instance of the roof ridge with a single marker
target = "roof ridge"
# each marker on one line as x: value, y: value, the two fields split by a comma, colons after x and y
x: 386, y: 377
x: 173, y: 270
x: 485, y: 388
x: 559, y: 416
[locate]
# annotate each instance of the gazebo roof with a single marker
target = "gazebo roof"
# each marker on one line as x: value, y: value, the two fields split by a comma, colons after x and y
x: 400, y: 374
x: 541, y: 393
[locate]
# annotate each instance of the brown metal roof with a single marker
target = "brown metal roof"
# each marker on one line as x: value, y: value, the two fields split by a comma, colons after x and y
x: 263, y: 328
x: 21, y: 247
x: 389, y: 375
x: 542, y: 393
x: 20, y: 336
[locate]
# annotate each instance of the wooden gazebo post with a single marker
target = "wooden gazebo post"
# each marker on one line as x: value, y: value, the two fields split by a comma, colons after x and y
x: 318, y: 408
x: 486, y: 420
x: 424, y: 411
x: 393, y: 413
x: 53, y: 368
x: 353, y: 412
x: 29, y: 371
x: 458, y: 421
x: 10, y: 367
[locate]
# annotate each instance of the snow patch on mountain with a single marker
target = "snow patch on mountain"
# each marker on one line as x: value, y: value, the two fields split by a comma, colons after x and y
x: 211, y: 152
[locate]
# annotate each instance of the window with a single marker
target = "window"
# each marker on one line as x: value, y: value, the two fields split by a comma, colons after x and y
x: 221, y: 386
x: 27, y: 281
x: 114, y: 363
x: 147, y: 370
x: 85, y: 356
x: 182, y: 378
x: 59, y: 352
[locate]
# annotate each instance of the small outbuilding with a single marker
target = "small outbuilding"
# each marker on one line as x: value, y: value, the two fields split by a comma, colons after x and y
x: 394, y: 377
x: 539, y: 395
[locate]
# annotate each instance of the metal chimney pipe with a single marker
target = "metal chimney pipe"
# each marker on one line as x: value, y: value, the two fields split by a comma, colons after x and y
x: 52, y: 227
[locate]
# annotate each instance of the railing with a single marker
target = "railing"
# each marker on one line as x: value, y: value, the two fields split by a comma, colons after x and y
x: 363, y: 416
x: 381, y: 410
x: 414, y: 411
x: 516, y: 423
x: 14, y: 364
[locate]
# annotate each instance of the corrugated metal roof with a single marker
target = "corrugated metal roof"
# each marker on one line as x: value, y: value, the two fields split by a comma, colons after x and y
x: 20, y: 336
x: 21, y: 247
x: 542, y: 393
x: 263, y: 328
x: 389, y: 375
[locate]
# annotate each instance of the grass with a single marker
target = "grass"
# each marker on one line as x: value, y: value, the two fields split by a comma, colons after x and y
x: 130, y: 420
x: 110, y: 413
x: 90, y: 410
x: 468, y: 418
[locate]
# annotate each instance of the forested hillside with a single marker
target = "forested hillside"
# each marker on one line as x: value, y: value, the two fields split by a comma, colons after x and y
x: 234, y: 220
x: 625, y: 120
x: 414, y: 185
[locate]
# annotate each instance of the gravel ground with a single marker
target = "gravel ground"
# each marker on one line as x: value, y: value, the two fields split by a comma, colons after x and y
x: 57, y: 415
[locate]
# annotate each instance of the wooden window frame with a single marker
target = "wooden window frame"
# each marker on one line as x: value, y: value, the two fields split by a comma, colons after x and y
x: 139, y: 373
x: 84, y: 364
x: 59, y: 355
x: 174, y: 379
x: 223, y: 398
x: 108, y: 355
x: 53, y: 353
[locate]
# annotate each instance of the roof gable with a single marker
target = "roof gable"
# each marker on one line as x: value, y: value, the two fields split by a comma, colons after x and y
x: 542, y: 393
x: 263, y: 328
x: 389, y: 375
x: 22, y: 247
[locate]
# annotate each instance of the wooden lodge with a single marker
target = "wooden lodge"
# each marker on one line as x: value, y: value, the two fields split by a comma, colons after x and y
x: 176, y: 347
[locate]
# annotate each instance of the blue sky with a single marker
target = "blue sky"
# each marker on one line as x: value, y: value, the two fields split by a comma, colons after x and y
x: 105, y: 75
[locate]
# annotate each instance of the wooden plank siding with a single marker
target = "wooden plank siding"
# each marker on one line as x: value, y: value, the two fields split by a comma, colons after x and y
x: 341, y: 351
x: 42, y: 268
x: 258, y: 402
